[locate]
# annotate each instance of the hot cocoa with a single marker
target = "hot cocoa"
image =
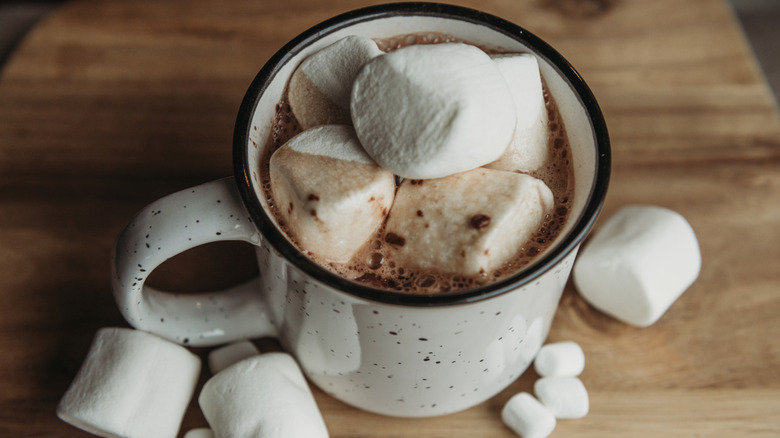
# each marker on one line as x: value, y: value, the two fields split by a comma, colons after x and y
x: 378, y: 262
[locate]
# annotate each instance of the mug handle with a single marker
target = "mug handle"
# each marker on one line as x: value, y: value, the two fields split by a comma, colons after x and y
x: 202, y: 214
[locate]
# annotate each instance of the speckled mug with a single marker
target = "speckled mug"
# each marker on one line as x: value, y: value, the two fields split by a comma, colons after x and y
x: 386, y: 352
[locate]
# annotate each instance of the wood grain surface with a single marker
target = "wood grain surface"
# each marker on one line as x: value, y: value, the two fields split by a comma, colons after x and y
x: 107, y: 106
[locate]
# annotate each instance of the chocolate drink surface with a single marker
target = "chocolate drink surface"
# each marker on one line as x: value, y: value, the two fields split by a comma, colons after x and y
x: 374, y: 264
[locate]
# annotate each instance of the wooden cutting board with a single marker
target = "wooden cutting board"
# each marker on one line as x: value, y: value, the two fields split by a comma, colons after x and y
x: 106, y: 106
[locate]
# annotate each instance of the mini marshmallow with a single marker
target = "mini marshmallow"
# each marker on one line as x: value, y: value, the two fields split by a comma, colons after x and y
x: 264, y: 395
x: 223, y: 357
x: 637, y: 265
x: 131, y: 384
x: 565, y: 397
x: 199, y: 433
x: 320, y: 86
x: 560, y: 359
x: 528, y: 150
x: 527, y: 417
x: 466, y: 223
x: 330, y: 193
x: 430, y: 111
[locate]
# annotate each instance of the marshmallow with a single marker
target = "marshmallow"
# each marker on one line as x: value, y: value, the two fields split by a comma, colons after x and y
x: 471, y: 222
x: 565, y: 397
x: 560, y: 359
x: 266, y: 396
x: 199, y: 433
x: 430, y: 111
x: 131, y: 384
x: 329, y: 192
x: 223, y: 357
x: 527, y: 417
x: 640, y: 261
x: 528, y: 150
x: 320, y: 86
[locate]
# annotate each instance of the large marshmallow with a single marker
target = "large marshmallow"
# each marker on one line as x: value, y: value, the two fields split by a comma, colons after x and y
x: 320, y: 87
x: 223, y: 357
x: 565, y: 397
x: 560, y: 359
x: 430, y: 111
x: 527, y: 417
x: 471, y: 222
x: 132, y: 384
x: 528, y: 150
x: 332, y: 196
x: 638, y: 263
x: 263, y: 396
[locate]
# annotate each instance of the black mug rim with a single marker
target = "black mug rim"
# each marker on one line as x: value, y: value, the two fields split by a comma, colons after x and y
x: 243, y: 168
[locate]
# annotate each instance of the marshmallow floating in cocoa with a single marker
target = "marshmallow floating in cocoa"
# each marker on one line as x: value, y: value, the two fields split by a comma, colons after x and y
x: 565, y: 397
x: 132, y: 384
x: 528, y: 150
x: 528, y: 417
x: 265, y: 395
x: 430, y: 111
x: 470, y: 223
x: 320, y: 87
x: 223, y: 357
x: 638, y: 263
x: 330, y: 193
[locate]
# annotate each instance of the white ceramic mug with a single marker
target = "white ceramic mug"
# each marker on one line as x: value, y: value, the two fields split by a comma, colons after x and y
x: 386, y: 352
